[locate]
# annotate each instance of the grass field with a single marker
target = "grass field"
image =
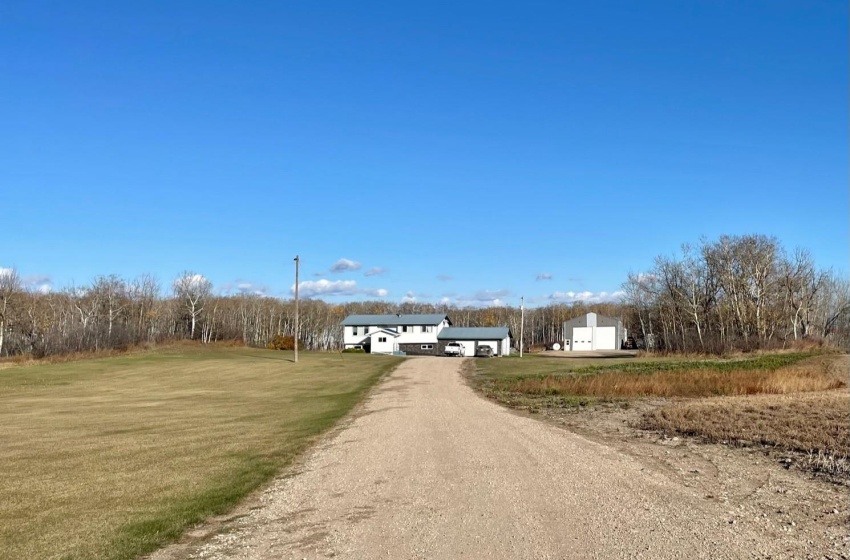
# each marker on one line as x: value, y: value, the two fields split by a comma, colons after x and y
x: 110, y: 458
x: 540, y: 364
x: 794, y: 401
x: 775, y: 374
x: 816, y: 424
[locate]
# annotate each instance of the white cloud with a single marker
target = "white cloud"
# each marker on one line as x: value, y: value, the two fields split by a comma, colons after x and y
x: 323, y: 287
x: 375, y: 271
x: 193, y: 282
x: 544, y: 276
x: 243, y: 287
x: 311, y: 288
x: 490, y: 295
x: 409, y: 297
x: 345, y: 265
x: 481, y: 298
x: 41, y: 283
x: 586, y: 296
x: 646, y: 279
x: 380, y: 292
x: 10, y: 277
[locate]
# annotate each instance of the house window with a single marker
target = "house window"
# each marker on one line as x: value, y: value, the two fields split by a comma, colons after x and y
x: 427, y: 328
x: 427, y: 347
x: 404, y: 328
x: 354, y: 330
x: 382, y: 339
x: 365, y: 330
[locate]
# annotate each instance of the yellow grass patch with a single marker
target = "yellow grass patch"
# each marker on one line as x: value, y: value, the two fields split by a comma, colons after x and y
x: 682, y: 383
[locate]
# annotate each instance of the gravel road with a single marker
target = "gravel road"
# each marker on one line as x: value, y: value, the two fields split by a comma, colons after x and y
x: 429, y: 469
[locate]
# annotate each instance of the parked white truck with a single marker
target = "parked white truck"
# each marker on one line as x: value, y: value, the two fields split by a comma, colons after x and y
x: 454, y: 349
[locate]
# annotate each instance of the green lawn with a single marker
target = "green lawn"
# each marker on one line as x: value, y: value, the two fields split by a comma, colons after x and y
x: 536, y: 364
x: 110, y: 458
x: 541, y: 366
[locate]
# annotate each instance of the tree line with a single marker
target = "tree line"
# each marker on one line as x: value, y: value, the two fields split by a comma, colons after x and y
x: 734, y: 293
x: 116, y: 313
x: 737, y: 293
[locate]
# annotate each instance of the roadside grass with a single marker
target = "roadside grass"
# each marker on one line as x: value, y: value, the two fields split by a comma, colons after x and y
x: 538, y: 365
x: 770, y: 373
x: 796, y: 402
x: 111, y: 458
x: 755, y: 377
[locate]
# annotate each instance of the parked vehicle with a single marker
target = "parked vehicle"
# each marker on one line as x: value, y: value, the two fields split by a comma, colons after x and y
x: 454, y: 349
x: 484, y: 351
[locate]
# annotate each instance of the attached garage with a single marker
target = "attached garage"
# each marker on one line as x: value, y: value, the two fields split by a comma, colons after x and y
x: 494, y: 344
x: 593, y: 332
x: 497, y: 338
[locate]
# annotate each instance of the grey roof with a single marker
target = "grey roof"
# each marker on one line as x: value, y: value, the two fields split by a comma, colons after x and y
x: 385, y: 330
x: 474, y: 333
x: 581, y: 320
x: 393, y: 320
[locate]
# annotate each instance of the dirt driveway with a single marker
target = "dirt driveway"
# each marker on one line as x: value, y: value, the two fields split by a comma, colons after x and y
x: 429, y: 469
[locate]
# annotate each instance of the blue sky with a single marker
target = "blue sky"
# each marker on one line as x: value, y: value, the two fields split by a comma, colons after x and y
x: 466, y: 152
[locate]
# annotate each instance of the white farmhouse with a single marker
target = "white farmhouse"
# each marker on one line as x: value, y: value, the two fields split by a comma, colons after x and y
x: 386, y: 334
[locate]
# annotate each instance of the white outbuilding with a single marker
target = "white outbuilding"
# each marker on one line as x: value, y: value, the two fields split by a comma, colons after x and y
x: 593, y: 332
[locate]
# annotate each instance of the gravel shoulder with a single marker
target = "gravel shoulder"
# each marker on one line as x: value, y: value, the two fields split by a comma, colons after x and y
x: 429, y: 469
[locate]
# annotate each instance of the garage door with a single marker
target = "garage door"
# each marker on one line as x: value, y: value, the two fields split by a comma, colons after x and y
x: 491, y: 343
x: 468, y: 348
x: 582, y: 338
x: 606, y: 338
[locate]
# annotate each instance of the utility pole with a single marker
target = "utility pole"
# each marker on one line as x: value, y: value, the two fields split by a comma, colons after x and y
x: 297, y: 325
x: 521, y: 322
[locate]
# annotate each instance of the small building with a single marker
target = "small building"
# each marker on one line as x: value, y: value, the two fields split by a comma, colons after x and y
x: 497, y: 338
x: 593, y: 332
x: 388, y: 334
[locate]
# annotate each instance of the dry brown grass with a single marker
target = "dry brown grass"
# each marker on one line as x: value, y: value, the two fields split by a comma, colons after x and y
x: 817, y: 424
x: 795, y: 403
x: 702, y: 382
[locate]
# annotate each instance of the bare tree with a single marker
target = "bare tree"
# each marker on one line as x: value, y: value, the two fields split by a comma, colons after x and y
x: 10, y: 286
x: 144, y: 292
x: 114, y: 296
x: 86, y: 302
x: 833, y: 309
x: 192, y: 290
x: 639, y: 290
x: 801, y: 282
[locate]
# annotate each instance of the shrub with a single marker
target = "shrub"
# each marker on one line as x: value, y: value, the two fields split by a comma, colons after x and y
x: 353, y: 351
x: 281, y: 342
